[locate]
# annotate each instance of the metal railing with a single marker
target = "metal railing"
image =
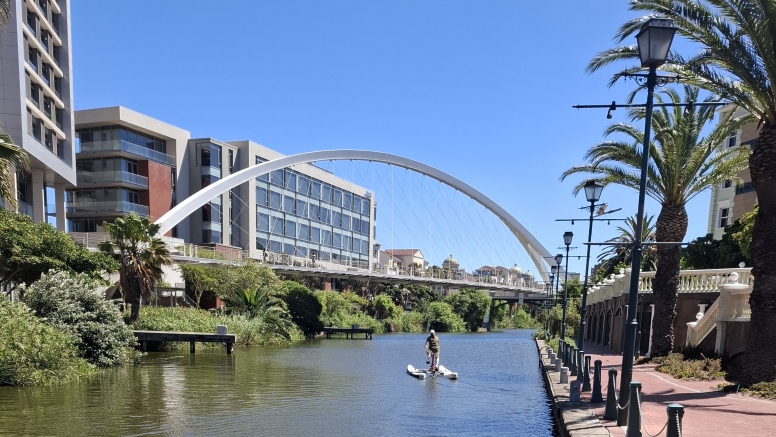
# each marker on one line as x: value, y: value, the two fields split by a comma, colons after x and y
x: 107, y: 206
x: 126, y: 146
x: 87, y: 177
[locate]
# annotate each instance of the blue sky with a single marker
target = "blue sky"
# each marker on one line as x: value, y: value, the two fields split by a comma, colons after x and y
x: 481, y: 90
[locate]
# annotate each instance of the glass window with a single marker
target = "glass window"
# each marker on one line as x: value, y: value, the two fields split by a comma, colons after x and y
x: 288, y: 249
x: 345, y: 221
x: 365, y: 208
x: 356, y: 225
x: 347, y: 201
x: 261, y: 243
x: 275, y: 246
x: 356, y: 203
x: 727, y: 184
x: 277, y: 177
x: 337, y: 197
x: 337, y: 240
x: 304, y: 185
x: 261, y: 196
x: 301, y: 251
x: 264, y: 177
x: 327, y: 193
x: 324, y: 255
x: 276, y: 225
x: 733, y: 139
x: 364, y: 247
x: 364, y: 227
x: 316, y: 190
x: 262, y: 222
x: 315, y: 235
x: 356, y: 245
x: 325, y: 215
x: 336, y: 219
x: 290, y: 180
x: 274, y: 200
x: 326, y: 238
x: 346, y: 242
x: 301, y: 208
x: 304, y: 232
x: 315, y: 212
x: 288, y: 204
x: 724, y: 217
x: 204, y: 155
x: 290, y: 229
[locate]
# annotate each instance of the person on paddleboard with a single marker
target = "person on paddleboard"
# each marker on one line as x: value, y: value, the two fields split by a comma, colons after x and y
x: 432, y: 350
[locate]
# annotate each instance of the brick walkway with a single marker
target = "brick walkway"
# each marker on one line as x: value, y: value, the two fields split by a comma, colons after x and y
x: 707, y: 411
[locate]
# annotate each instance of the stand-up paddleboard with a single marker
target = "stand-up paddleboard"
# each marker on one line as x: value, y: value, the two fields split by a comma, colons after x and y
x: 417, y: 373
x: 446, y: 373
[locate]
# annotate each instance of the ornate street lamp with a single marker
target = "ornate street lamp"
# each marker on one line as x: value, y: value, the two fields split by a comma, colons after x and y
x: 593, y: 191
x: 567, y: 237
x: 654, y: 41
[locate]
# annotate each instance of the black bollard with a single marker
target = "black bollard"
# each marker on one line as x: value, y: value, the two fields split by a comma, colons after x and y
x: 610, y: 413
x: 580, y: 368
x: 675, y: 413
x: 596, y: 398
x: 586, y: 380
x: 573, y: 359
x: 562, y: 347
x: 634, y: 412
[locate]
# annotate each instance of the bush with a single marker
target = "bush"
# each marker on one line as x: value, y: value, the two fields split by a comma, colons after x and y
x: 678, y: 366
x: 555, y: 317
x: 70, y: 302
x: 440, y: 317
x: 413, y: 321
x: 383, y: 308
x: 471, y: 306
x: 34, y: 353
x: 304, y: 307
x: 249, y: 331
x: 518, y: 319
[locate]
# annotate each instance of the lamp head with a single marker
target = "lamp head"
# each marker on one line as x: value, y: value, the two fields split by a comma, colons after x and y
x: 558, y: 258
x: 567, y: 238
x: 654, y: 41
x: 593, y: 191
x: 553, y: 269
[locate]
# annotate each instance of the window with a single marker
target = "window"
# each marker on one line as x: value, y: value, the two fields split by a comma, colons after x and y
x: 304, y: 185
x: 304, y: 232
x: 356, y: 225
x: 209, y: 236
x: 326, y: 238
x: 276, y: 225
x: 31, y: 21
x: 347, y: 201
x: 131, y: 167
x: 364, y: 227
x: 36, y: 128
x: 346, y: 242
x: 261, y: 196
x: 301, y: 208
x: 327, y: 193
x: 290, y: 229
x: 724, y: 217
x: 316, y: 190
x: 288, y: 249
x: 275, y: 246
x: 288, y: 204
x: 727, y: 184
x: 261, y: 243
x: 301, y: 251
x: 35, y: 93
x: 277, y: 177
x: 315, y: 212
x: 325, y: 215
x: 365, y: 208
x: 732, y: 140
x: 337, y: 198
x: 315, y: 235
x: 265, y: 176
x: 231, y: 161
x: 336, y: 219
x: 262, y: 222
x: 274, y: 200
x: 337, y: 240
x: 346, y: 221
x: 290, y: 180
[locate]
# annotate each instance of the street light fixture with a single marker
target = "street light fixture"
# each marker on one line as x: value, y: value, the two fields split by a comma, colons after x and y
x: 567, y: 237
x: 593, y: 191
x: 558, y: 260
x: 654, y: 41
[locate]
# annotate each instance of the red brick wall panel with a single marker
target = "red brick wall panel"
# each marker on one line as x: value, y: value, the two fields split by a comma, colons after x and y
x: 158, y: 197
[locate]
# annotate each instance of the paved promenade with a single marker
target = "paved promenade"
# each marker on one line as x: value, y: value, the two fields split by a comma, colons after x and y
x: 707, y: 411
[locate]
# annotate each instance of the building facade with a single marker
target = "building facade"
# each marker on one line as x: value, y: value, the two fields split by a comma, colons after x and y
x: 125, y: 162
x: 733, y: 198
x: 37, y: 110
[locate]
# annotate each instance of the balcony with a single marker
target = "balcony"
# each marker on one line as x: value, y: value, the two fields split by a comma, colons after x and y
x: 31, y: 28
x: 115, y: 206
x: 33, y: 65
x: 126, y: 147
x: 111, y: 177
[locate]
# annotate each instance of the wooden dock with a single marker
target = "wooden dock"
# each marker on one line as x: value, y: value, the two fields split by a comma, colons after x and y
x: 144, y: 337
x: 349, y: 332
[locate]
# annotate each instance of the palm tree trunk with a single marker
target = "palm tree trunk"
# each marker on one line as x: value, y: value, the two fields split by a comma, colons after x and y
x: 760, y: 351
x: 134, y: 296
x: 671, y: 226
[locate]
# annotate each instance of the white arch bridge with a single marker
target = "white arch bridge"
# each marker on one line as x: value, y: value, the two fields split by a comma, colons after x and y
x: 537, y: 252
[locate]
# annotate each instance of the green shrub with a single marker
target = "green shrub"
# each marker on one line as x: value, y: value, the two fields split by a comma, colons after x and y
x: 676, y: 365
x: 70, y: 302
x: 304, y: 307
x: 382, y: 307
x: 518, y: 319
x: 249, y: 331
x: 440, y: 317
x: 471, y: 306
x: 413, y: 321
x: 34, y: 353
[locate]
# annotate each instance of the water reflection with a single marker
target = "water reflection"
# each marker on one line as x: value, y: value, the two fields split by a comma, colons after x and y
x: 320, y: 387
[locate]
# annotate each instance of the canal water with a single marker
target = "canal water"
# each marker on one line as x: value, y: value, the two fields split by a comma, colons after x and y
x: 333, y: 387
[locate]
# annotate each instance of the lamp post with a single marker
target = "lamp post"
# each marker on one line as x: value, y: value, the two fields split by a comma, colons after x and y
x: 592, y: 193
x: 553, y: 271
x: 567, y: 241
x: 654, y: 40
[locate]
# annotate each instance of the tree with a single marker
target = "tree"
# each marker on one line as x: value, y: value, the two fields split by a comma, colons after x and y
x: 259, y: 303
x: 383, y: 307
x: 574, y: 289
x: 28, y: 250
x: 743, y: 236
x: 250, y: 275
x: 682, y: 165
x: 440, y: 317
x: 304, y: 307
x: 613, y: 256
x: 199, y: 279
x: 471, y: 306
x: 736, y: 61
x: 140, y: 253
x: 709, y: 253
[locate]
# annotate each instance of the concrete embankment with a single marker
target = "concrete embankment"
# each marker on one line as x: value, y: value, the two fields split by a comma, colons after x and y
x: 574, y: 419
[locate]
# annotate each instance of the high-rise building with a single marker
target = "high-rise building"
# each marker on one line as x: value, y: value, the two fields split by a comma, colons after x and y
x: 37, y: 102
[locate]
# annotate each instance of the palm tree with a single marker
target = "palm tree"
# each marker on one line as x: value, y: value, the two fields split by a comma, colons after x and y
x: 736, y: 61
x: 12, y: 158
x: 682, y: 165
x: 615, y: 255
x: 260, y: 303
x: 141, y: 254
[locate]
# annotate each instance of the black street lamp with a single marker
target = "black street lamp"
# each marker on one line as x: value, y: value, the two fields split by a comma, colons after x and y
x: 558, y: 260
x: 567, y: 241
x: 553, y: 271
x: 654, y: 41
x: 593, y: 192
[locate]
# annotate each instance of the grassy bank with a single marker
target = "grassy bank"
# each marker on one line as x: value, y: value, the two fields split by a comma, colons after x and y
x: 249, y: 331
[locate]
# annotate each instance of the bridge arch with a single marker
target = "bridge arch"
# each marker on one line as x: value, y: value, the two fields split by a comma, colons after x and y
x: 535, y: 250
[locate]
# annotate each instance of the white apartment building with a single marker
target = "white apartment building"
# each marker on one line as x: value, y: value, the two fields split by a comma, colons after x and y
x: 37, y: 96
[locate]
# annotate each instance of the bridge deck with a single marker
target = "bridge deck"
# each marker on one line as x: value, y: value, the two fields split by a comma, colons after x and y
x: 192, y: 337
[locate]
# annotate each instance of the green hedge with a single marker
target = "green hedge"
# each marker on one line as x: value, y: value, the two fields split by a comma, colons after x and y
x: 249, y: 331
x: 34, y: 353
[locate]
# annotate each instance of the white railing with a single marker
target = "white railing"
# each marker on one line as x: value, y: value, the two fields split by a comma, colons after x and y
x: 698, y: 330
x: 732, y: 305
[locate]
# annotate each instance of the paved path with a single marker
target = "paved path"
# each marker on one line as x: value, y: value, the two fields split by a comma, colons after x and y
x: 707, y: 411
